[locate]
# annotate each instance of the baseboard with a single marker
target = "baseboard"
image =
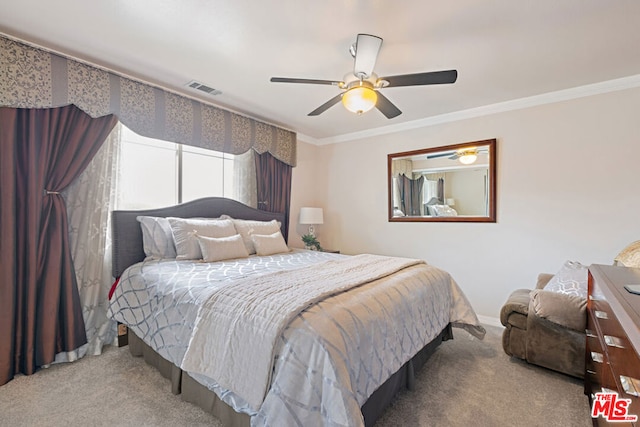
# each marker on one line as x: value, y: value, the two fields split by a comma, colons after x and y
x: 491, y: 321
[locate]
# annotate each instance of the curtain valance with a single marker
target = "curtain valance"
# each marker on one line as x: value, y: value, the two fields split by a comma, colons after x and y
x: 34, y: 78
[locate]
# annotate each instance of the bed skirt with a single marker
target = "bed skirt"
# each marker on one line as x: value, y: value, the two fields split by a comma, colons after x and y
x: 193, y: 392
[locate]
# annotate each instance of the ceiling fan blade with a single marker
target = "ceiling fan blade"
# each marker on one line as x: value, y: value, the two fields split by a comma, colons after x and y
x: 307, y: 81
x: 386, y: 107
x: 324, y: 107
x: 367, y: 48
x: 435, y: 156
x: 418, y: 79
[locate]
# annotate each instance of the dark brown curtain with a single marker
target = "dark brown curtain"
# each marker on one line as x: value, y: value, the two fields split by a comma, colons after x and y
x: 441, y: 190
x: 274, y: 186
x: 41, y: 152
x: 410, y: 191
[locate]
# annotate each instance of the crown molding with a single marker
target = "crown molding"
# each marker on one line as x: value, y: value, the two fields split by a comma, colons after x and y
x: 623, y: 83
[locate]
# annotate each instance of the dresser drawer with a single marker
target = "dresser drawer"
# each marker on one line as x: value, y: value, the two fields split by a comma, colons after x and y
x: 609, y: 325
x: 598, y: 370
x: 616, y: 345
x: 625, y: 362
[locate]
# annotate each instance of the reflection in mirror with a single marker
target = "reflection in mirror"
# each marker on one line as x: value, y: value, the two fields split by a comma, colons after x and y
x: 454, y: 183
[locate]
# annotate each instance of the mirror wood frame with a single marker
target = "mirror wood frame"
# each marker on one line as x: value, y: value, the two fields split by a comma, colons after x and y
x: 492, y: 170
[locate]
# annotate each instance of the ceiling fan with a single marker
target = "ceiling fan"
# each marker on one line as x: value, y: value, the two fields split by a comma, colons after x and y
x: 361, y: 87
x: 465, y: 155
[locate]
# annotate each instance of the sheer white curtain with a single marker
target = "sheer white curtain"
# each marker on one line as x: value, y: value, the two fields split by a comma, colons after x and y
x: 245, y: 188
x: 90, y: 200
x: 430, y: 190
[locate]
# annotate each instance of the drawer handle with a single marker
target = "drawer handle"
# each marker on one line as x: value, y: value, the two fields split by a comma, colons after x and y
x: 589, y: 371
x: 608, y: 390
x: 590, y: 333
x: 613, y: 341
x: 601, y: 314
x: 630, y: 385
x: 597, y: 357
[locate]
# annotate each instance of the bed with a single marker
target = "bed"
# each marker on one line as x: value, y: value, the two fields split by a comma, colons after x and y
x: 338, y: 358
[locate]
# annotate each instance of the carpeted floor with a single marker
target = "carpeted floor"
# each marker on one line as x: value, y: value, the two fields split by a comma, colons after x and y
x: 466, y: 382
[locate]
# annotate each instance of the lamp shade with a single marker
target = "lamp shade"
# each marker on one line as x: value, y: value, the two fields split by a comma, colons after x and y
x: 311, y: 216
x: 359, y: 99
x: 468, y: 158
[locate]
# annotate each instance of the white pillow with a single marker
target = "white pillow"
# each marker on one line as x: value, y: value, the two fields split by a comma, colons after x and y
x: 269, y: 244
x: 570, y: 280
x: 218, y: 249
x: 157, y: 237
x: 246, y: 228
x: 184, y: 230
x: 444, y: 210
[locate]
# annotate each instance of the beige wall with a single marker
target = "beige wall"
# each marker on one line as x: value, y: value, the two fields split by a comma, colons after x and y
x: 308, y: 189
x: 568, y: 177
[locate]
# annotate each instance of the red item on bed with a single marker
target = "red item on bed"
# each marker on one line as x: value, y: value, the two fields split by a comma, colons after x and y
x: 113, y: 287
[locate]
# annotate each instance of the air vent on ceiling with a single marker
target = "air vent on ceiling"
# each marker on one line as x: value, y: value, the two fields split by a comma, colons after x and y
x: 203, y: 88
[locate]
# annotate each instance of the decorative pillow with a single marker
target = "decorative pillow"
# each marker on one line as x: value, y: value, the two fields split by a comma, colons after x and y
x: 157, y: 237
x: 269, y: 244
x: 218, y: 249
x: 397, y: 212
x: 248, y: 227
x: 444, y: 210
x: 571, y: 280
x: 184, y: 231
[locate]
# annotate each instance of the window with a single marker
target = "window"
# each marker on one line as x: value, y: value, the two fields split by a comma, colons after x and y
x: 156, y: 173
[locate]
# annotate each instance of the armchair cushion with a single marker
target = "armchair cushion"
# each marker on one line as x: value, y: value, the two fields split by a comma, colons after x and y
x: 560, y: 308
x: 517, y: 303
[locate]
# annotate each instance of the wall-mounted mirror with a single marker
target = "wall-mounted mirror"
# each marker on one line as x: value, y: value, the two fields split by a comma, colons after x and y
x: 454, y: 183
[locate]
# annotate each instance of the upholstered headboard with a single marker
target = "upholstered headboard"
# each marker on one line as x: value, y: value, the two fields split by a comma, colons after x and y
x: 127, y: 248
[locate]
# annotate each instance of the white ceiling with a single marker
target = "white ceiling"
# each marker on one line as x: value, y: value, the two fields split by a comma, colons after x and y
x: 503, y: 49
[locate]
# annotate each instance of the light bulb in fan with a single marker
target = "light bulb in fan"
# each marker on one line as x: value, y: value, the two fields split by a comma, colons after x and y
x: 360, y: 99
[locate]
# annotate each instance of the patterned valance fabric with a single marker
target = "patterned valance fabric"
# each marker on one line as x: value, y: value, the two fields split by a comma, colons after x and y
x: 34, y: 78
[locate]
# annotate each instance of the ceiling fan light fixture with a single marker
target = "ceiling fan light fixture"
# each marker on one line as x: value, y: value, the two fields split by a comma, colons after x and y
x: 359, y: 99
x: 468, y: 157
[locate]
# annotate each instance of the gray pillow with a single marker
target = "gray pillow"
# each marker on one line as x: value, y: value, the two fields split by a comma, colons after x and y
x: 570, y: 280
x: 157, y: 238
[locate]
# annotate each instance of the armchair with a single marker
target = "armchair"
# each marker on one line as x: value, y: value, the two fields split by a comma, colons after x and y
x: 546, y: 326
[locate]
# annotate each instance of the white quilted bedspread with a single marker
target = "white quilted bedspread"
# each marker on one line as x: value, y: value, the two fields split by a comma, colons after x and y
x: 223, y: 344
x: 329, y: 359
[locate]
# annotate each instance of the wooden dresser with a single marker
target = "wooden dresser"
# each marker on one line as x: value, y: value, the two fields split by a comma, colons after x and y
x: 613, y: 337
